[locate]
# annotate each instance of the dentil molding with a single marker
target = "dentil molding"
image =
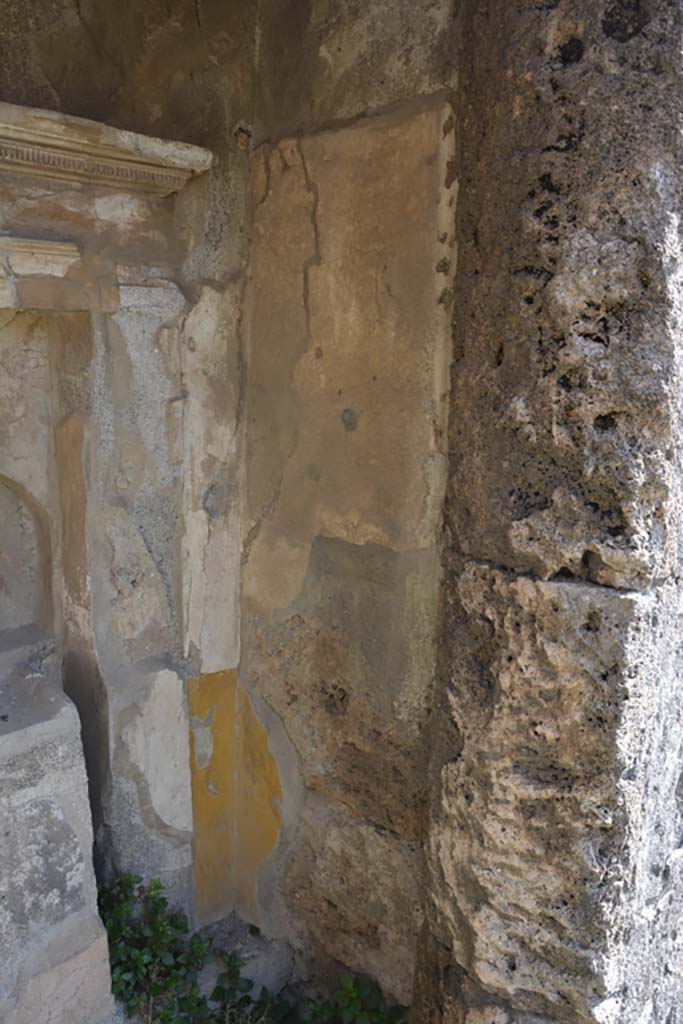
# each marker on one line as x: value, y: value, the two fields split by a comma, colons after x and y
x: 45, y: 144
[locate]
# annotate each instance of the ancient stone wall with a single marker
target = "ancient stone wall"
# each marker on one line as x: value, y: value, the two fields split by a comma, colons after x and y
x: 346, y: 363
x: 343, y: 457
x: 345, y: 417
x: 150, y: 399
x: 90, y: 464
x: 554, y: 852
x: 394, y: 739
x: 55, y: 962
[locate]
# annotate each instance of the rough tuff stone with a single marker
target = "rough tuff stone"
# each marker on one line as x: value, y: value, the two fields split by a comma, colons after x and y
x: 54, y: 949
x: 566, y: 400
x: 556, y: 736
x: 356, y: 888
x: 557, y: 835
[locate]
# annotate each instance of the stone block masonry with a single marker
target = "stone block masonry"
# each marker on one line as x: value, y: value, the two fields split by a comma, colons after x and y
x: 382, y: 657
x: 556, y: 821
x: 91, y: 458
x: 55, y: 960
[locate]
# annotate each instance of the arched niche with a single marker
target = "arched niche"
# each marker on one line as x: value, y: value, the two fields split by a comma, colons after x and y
x: 25, y: 562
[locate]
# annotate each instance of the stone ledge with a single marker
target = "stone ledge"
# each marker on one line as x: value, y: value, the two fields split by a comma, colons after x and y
x: 66, y: 975
x: 38, y: 257
x: 45, y: 144
x: 54, y: 947
x: 42, y: 274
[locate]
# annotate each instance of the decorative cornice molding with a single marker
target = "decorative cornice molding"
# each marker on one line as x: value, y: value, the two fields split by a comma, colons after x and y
x: 43, y: 144
x: 35, y: 257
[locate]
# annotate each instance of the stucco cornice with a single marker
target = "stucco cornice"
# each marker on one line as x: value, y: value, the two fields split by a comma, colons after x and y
x: 45, y: 144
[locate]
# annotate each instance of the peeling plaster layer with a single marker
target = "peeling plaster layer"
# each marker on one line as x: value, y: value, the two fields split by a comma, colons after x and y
x: 159, y: 747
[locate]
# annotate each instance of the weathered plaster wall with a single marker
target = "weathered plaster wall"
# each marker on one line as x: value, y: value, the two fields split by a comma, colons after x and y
x: 161, y: 414
x: 346, y: 363
x: 554, y: 853
x: 552, y: 881
x: 54, y: 948
x: 177, y: 69
x: 346, y: 400
x: 365, y: 305
x: 25, y: 453
x: 323, y: 62
x: 188, y: 71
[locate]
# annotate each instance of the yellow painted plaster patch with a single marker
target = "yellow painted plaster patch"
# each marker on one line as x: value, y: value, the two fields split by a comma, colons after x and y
x: 211, y: 703
x: 235, y: 794
x: 259, y: 794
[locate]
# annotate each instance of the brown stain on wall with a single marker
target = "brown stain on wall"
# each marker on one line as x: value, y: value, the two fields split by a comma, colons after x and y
x: 69, y: 453
x: 235, y: 794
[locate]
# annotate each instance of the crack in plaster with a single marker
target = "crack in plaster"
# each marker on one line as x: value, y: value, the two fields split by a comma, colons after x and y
x: 315, y: 260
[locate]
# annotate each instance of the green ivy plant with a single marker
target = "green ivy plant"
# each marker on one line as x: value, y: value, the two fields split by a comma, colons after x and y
x: 357, y: 1001
x: 234, y: 1003
x: 155, y: 966
x: 154, y: 960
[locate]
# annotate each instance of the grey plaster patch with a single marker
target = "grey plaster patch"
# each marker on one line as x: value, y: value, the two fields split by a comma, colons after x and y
x: 202, y: 737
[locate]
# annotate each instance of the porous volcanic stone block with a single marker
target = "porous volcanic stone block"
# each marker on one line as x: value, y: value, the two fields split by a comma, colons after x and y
x: 555, y: 850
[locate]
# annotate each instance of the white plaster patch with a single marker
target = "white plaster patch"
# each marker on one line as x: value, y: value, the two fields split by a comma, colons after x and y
x: 159, y: 746
x: 121, y: 209
x: 211, y: 542
x: 326, y: 55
